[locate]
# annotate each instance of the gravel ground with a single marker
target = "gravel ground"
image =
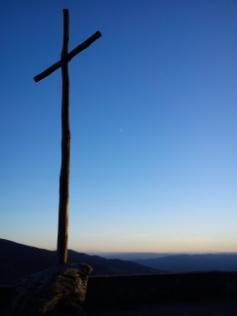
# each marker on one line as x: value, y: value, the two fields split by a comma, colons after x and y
x: 189, y: 309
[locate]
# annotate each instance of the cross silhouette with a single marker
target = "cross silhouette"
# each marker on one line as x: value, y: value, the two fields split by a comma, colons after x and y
x: 66, y: 57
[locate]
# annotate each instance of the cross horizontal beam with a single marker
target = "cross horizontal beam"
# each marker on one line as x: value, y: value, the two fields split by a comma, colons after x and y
x: 70, y: 55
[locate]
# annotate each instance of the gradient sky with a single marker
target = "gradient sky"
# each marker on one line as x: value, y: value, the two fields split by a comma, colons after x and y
x: 153, y: 119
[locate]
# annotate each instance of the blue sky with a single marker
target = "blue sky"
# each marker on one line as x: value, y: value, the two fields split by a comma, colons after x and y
x: 153, y: 120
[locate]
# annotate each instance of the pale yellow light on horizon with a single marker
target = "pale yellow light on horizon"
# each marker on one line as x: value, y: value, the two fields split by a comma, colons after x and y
x: 141, y: 244
x: 197, y: 245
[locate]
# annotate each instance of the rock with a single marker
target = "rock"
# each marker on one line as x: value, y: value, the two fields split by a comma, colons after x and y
x: 56, y: 291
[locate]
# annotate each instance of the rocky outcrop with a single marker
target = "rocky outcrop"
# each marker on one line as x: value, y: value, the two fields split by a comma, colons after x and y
x: 57, y: 291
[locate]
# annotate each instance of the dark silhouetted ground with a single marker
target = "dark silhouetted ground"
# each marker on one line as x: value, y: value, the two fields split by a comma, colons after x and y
x: 177, y: 309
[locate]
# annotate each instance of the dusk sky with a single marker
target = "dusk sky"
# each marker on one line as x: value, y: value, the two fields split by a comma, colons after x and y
x: 153, y: 123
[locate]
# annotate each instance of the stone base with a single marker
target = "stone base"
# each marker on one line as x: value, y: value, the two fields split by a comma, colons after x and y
x: 57, y: 291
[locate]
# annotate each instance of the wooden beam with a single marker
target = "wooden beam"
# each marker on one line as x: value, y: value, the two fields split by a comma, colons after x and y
x: 65, y: 150
x: 67, y: 58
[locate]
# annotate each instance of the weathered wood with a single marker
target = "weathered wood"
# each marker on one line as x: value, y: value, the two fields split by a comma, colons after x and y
x: 68, y: 57
x: 62, y: 240
x: 65, y: 151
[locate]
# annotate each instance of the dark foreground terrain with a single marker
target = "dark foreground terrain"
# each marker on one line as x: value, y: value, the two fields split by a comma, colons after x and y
x: 168, y: 294
x: 177, y: 309
x: 152, y: 289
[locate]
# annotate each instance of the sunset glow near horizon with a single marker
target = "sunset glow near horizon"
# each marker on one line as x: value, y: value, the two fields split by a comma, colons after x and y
x: 153, y: 123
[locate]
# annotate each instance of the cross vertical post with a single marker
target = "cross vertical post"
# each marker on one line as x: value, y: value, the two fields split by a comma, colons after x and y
x: 65, y: 150
x: 66, y: 57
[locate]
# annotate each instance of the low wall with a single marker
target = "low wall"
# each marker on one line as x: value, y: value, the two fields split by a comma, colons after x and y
x: 153, y: 289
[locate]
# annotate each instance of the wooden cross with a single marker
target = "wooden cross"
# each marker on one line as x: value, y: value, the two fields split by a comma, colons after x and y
x: 66, y: 57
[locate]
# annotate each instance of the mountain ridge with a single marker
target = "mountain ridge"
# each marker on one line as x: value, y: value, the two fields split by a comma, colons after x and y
x: 18, y: 260
x: 179, y: 263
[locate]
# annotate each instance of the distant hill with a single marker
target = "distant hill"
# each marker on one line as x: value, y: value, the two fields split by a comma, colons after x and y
x: 193, y: 262
x: 17, y: 261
